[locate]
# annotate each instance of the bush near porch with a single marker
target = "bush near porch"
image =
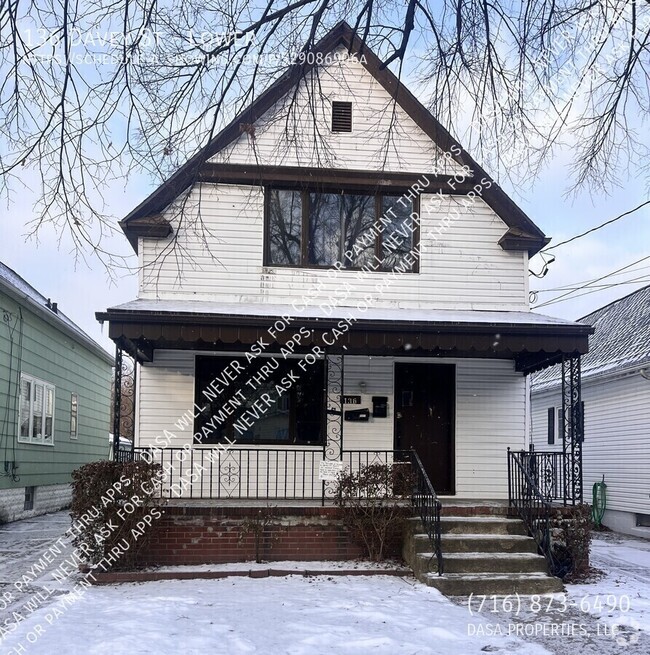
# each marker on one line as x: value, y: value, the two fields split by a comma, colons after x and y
x: 571, y: 539
x: 109, y: 501
x: 375, y: 502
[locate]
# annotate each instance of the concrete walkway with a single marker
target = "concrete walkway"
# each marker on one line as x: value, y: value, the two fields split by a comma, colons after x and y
x: 24, y: 574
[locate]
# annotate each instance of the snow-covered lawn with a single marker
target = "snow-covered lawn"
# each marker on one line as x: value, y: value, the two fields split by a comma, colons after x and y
x: 270, y: 616
x: 318, y: 615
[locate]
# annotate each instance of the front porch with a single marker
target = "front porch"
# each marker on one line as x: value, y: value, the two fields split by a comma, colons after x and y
x: 444, y: 393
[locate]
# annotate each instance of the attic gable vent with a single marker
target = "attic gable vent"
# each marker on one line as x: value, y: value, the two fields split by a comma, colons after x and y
x: 341, y: 116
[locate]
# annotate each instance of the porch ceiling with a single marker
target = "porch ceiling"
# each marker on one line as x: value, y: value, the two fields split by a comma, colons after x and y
x: 534, y: 341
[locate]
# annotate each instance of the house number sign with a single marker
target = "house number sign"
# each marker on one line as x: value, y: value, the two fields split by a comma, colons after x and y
x: 351, y: 400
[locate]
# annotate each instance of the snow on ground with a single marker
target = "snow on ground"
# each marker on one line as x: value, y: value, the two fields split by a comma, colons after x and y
x: 270, y: 616
x: 316, y: 615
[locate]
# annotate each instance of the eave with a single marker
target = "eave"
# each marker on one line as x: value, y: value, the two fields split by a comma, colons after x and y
x: 514, y: 217
x: 531, y: 346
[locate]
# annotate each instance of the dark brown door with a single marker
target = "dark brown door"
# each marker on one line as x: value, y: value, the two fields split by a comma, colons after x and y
x: 424, y: 418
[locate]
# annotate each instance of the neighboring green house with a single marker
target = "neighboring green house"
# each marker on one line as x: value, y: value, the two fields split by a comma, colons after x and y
x: 55, y: 388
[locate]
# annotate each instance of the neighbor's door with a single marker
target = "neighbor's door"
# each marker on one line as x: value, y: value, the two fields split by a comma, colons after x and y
x: 424, y: 418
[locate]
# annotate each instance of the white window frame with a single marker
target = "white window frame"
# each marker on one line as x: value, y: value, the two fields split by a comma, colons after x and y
x: 74, y: 402
x: 34, y: 382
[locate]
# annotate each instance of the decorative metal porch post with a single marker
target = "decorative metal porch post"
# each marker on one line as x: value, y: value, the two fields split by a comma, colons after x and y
x: 333, y: 447
x: 334, y: 429
x: 572, y: 429
x: 117, y: 402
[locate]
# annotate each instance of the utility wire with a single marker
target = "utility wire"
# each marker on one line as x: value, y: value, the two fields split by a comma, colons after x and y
x: 600, y: 288
x: 589, y: 284
x: 597, y: 227
x: 576, y: 286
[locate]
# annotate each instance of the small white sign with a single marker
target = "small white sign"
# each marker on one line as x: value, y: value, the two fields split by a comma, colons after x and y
x: 329, y: 470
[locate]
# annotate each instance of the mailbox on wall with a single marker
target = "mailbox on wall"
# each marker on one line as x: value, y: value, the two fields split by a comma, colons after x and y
x: 357, y: 414
x: 380, y: 406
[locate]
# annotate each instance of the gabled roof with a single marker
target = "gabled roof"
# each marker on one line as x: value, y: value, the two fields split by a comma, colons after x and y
x: 23, y: 292
x: 145, y: 220
x: 621, y: 341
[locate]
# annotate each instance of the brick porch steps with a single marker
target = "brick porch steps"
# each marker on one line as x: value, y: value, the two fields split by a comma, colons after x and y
x: 485, y: 551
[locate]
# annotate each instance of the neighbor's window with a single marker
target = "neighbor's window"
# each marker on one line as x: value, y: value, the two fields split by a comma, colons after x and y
x: 550, y: 425
x: 74, y: 416
x: 36, y: 412
x: 264, y: 411
x: 319, y: 229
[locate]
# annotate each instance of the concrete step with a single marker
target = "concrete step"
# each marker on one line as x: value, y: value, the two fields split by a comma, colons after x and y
x: 483, y: 543
x: 459, y: 584
x: 481, y: 525
x: 484, y: 563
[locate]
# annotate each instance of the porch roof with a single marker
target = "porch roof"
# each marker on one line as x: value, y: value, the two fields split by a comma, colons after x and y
x: 534, y: 341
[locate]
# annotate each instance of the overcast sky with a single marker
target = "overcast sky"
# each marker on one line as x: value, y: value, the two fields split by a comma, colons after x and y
x: 81, y: 288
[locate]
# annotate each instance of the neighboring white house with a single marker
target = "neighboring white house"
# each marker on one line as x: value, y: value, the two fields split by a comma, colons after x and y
x: 616, y: 397
x: 344, y: 239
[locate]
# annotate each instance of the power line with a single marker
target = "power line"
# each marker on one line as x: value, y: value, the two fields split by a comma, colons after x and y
x: 589, y: 284
x: 597, y: 227
x: 603, y: 287
x: 576, y: 286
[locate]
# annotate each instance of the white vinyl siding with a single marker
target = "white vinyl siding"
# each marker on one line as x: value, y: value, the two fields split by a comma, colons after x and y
x: 36, y: 411
x: 617, y: 438
x: 462, y: 266
x: 297, y: 130
x: 490, y: 412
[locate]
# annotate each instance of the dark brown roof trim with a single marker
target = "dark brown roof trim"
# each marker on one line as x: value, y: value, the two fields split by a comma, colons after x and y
x: 335, y: 178
x: 515, y: 239
x: 341, y: 34
x: 245, y: 320
x: 532, y: 347
x: 155, y: 227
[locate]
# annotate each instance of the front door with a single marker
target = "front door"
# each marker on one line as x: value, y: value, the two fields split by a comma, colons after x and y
x: 424, y: 418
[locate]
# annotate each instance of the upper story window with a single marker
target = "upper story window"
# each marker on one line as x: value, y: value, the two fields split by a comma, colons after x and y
x: 313, y: 229
x: 36, y: 412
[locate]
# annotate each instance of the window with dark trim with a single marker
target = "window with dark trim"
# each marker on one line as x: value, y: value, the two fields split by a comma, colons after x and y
x: 317, y: 229
x: 275, y: 401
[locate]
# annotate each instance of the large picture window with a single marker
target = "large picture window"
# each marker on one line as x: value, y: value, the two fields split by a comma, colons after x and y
x: 315, y: 230
x: 36, y: 411
x: 273, y: 401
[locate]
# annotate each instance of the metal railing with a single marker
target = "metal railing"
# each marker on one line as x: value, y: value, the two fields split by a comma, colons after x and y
x: 532, y: 505
x: 254, y: 473
x: 552, y: 472
x: 283, y: 474
x: 428, y: 507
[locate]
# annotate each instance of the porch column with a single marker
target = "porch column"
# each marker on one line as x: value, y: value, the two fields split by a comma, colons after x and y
x: 334, y: 428
x: 572, y: 429
x: 124, y: 386
x: 117, y: 401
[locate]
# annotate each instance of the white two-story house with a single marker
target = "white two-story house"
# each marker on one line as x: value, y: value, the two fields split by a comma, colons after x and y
x: 334, y: 279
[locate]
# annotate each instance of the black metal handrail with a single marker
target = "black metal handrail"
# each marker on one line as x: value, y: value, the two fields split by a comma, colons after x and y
x: 532, y: 506
x: 254, y: 472
x: 549, y: 470
x: 426, y: 503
